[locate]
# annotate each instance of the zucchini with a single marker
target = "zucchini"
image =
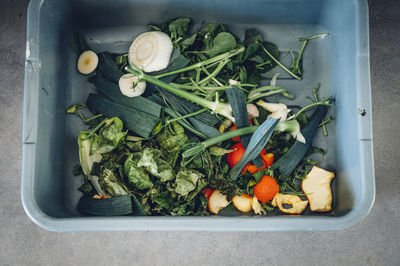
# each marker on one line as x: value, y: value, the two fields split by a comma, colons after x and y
x: 135, y: 120
x: 121, y: 205
x: 288, y: 162
x: 112, y: 91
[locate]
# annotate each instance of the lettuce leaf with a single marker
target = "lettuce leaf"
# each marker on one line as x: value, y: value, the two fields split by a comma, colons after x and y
x: 186, y: 181
x: 155, y: 165
x: 137, y: 176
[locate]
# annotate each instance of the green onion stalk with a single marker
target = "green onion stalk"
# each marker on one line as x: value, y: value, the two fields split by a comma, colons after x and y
x: 268, y: 91
x: 223, y: 109
x: 201, y: 64
x: 289, y: 126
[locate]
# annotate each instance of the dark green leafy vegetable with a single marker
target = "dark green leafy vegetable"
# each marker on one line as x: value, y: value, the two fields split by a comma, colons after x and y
x: 222, y: 43
x: 137, y: 176
x: 139, y: 122
x: 121, y: 205
x: 78, y: 43
x: 256, y: 144
x: 151, y: 160
x: 186, y: 181
x: 237, y: 101
x: 172, y: 141
x: 112, y: 186
x: 111, y: 136
x: 165, y: 175
x: 252, y: 36
x: 113, y: 92
x: 180, y: 26
x: 288, y: 162
x: 108, y: 68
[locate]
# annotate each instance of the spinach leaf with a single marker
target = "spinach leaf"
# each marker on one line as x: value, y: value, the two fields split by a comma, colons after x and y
x: 134, y: 146
x: 179, y: 26
x: 213, y: 29
x: 251, y: 50
x: 252, y: 36
x: 222, y: 43
x: 274, y: 50
x: 188, y: 41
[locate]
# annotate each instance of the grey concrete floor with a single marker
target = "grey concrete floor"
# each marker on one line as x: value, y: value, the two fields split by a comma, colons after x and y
x: 375, y: 241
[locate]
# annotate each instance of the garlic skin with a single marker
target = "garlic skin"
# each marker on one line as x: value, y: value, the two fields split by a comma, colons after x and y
x: 278, y: 110
x: 252, y: 111
x: 151, y: 51
x: 317, y: 187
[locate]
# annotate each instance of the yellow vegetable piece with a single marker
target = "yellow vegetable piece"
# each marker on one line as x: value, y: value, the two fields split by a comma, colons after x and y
x: 87, y: 62
x: 317, y: 187
x: 298, y: 205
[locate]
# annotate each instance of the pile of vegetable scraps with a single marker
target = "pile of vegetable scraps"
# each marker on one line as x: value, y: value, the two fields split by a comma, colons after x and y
x: 189, y: 122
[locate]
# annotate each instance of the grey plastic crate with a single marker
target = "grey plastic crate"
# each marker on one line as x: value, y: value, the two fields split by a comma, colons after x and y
x: 340, y: 62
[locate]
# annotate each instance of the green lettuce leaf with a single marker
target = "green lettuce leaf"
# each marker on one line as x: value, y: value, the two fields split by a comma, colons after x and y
x: 137, y: 176
x: 172, y: 141
x: 110, y: 136
x: 111, y: 184
x: 186, y: 181
x: 155, y: 165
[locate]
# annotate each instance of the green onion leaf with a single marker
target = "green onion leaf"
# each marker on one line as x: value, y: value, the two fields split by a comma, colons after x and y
x: 256, y: 144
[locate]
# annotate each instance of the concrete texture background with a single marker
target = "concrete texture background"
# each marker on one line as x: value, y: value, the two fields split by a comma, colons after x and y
x: 375, y: 241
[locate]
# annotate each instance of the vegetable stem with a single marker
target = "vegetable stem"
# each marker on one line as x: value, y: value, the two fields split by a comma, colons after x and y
x: 200, y: 147
x: 205, y: 62
x: 98, y: 127
x: 208, y: 88
x: 184, y: 123
x: 326, y: 102
x: 284, y: 92
x: 215, y: 72
x: 314, y: 36
x: 88, y: 119
x: 187, y: 116
x: 213, y: 78
x: 216, y: 107
x: 280, y: 64
x: 295, y: 65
